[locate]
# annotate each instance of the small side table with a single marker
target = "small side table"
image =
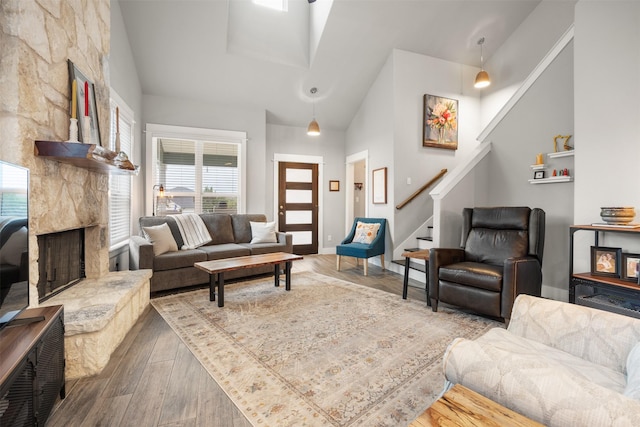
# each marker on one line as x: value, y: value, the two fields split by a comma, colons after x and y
x: 408, y: 255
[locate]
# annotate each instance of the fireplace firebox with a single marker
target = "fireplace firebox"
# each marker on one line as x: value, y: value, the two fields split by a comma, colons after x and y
x: 62, y: 261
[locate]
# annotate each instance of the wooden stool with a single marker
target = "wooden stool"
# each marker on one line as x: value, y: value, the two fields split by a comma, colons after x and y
x: 421, y: 254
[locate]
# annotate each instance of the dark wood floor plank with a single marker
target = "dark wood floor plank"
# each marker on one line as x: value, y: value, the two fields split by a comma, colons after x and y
x: 126, y: 377
x: 146, y: 402
x: 108, y: 412
x: 166, y: 346
x: 181, y: 400
x: 72, y: 412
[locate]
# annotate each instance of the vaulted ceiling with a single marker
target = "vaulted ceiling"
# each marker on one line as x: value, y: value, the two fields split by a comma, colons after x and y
x: 237, y: 54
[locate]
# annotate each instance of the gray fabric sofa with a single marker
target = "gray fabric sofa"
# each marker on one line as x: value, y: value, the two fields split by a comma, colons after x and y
x: 231, y: 236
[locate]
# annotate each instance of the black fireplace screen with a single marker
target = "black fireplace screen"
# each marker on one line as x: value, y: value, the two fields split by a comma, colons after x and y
x: 61, y: 262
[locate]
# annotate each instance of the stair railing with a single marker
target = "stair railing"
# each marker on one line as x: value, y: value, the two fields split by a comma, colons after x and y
x: 421, y: 189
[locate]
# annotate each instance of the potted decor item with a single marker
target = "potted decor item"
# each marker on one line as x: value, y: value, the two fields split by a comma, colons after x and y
x: 617, y: 215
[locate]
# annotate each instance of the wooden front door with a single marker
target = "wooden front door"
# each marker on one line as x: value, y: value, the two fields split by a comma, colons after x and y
x: 298, y: 205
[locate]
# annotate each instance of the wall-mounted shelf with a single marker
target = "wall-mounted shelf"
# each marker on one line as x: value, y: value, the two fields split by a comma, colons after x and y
x: 543, y: 167
x: 555, y: 155
x: 87, y: 156
x: 551, y: 180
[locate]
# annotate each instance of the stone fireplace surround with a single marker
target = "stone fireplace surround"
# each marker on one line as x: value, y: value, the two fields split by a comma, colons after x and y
x: 37, y: 39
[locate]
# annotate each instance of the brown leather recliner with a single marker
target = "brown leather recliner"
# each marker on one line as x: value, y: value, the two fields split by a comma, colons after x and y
x: 500, y: 257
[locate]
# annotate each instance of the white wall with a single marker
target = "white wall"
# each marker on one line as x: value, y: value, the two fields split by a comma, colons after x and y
x: 522, y: 51
x: 183, y: 112
x: 329, y: 145
x: 413, y: 76
x: 372, y: 130
x: 607, y: 116
x: 544, y: 111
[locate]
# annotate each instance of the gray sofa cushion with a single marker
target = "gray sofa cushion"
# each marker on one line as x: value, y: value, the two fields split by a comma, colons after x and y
x: 179, y: 259
x: 265, y: 248
x: 224, y: 250
x: 242, y: 228
x: 220, y: 228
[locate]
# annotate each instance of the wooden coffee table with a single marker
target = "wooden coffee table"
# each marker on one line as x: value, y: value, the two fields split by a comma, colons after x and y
x: 220, y: 266
x: 463, y: 407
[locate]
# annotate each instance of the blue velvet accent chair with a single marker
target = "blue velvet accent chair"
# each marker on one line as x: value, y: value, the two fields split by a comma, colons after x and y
x: 362, y: 250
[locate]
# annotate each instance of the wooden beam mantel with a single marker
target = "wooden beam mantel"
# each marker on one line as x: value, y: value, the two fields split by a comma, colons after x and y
x: 87, y: 156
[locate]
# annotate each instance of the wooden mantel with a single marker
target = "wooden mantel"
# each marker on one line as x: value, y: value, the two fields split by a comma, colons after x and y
x: 88, y: 156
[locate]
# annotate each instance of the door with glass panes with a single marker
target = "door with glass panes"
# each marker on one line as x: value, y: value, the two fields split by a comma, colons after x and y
x: 298, y: 205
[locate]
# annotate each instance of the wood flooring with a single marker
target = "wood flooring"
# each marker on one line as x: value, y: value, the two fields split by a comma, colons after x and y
x: 152, y: 378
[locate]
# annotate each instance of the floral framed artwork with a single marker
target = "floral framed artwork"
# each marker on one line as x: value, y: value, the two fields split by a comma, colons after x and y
x: 630, y: 267
x: 605, y: 261
x: 379, y: 186
x: 86, y: 104
x: 440, y: 124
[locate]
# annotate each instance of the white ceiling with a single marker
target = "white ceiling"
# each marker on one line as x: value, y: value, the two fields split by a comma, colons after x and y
x: 227, y: 52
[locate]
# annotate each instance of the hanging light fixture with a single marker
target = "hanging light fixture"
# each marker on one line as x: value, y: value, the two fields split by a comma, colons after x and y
x: 482, y: 79
x: 314, y: 128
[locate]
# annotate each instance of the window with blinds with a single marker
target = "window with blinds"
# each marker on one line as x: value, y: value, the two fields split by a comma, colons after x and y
x: 120, y: 185
x: 13, y: 194
x: 197, y: 176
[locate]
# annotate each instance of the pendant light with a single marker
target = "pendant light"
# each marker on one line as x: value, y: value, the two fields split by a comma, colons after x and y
x: 314, y: 128
x: 482, y: 79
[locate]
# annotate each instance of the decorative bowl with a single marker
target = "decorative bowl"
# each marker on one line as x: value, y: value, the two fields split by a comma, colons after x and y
x: 617, y: 215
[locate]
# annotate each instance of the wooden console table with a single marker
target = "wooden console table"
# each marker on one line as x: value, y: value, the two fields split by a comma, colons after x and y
x: 463, y: 407
x: 32, y: 366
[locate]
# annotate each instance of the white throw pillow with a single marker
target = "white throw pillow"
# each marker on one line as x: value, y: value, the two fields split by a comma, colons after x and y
x: 162, y: 239
x: 366, y: 232
x: 16, y: 244
x: 632, y: 389
x: 263, y: 232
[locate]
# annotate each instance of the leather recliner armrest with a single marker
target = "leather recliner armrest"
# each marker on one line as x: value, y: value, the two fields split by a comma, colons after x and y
x: 522, y: 275
x: 437, y: 258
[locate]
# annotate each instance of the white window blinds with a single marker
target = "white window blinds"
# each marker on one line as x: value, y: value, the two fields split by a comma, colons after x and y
x: 197, y: 176
x: 120, y: 185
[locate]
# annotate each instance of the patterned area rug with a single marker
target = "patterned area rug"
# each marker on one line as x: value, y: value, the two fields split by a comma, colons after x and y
x: 327, y: 353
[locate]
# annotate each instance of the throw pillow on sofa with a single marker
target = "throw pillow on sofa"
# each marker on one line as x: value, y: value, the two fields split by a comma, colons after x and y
x: 161, y: 238
x: 366, y: 232
x: 263, y: 232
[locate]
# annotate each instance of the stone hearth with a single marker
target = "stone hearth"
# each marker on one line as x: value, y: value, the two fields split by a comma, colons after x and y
x: 98, y: 313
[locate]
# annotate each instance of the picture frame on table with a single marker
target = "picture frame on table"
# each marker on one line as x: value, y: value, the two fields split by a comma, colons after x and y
x: 630, y: 267
x: 80, y: 79
x: 605, y: 261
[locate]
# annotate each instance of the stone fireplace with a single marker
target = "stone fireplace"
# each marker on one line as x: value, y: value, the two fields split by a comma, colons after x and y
x: 37, y: 39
